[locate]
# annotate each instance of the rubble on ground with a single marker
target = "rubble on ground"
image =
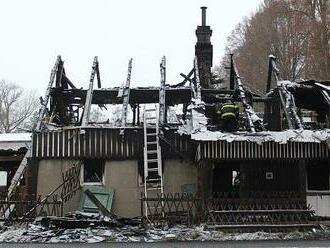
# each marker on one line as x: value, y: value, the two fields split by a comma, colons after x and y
x: 105, y: 229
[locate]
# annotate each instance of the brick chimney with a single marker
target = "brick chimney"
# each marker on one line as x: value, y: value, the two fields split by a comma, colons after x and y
x: 204, y: 51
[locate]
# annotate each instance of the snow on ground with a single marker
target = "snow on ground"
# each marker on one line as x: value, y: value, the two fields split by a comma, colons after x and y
x: 15, y: 137
x: 39, y: 234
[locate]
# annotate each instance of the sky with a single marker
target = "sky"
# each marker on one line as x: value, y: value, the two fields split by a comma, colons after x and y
x: 34, y: 32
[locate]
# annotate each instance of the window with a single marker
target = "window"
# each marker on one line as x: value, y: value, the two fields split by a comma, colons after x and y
x: 235, y: 179
x: 318, y: 178
x: 93, y: 171
x: 3, y: 178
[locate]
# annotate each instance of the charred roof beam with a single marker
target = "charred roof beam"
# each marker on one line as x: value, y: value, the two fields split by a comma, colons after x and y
x: 198, y: 91
x: 45, y: 100
x: 273, y: 72
x: 186, y: 78
x: 287, y: 99
x: 162, y: 94
x: 124, y: 94
x: 89, y: 94
x: 253, y: 121
x: 325, y: 93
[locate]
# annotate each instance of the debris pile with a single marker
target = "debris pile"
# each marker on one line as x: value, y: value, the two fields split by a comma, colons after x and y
x: 104, y: 229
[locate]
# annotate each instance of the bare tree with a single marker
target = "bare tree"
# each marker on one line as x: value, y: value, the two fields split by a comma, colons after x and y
x: 16, y: 106
x: 317, y: 12
x: 297, y: 32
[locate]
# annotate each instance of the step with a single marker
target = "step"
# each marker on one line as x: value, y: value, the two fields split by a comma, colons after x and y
x: 151, y: 134
x: 152, y: 152
x: 153, y: 169
x: 152, y: 143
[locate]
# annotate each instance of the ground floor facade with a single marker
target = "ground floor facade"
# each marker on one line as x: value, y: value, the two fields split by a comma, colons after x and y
x: 233, y: 173
x: 238, y: 179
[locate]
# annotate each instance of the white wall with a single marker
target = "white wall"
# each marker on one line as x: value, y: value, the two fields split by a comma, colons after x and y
x: 123, y: 177
x: 320, y: 204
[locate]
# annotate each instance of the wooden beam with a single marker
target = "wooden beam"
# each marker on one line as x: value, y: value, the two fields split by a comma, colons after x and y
x: 162, y: 100
x: 251, y: 116
x: 232, y: 73
x: 197, y: 80
x: 98, y: 77
x: 9, y: 158
x: 125, y: 97
x: 44, y: 104
x: 89, y: 95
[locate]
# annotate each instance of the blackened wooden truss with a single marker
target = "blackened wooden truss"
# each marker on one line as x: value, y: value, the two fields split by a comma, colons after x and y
x: 89, y: 95
x: 162, y: 95
x: 287, y: 99
x: 252, y: 120
x: 64, y: 104
x: 124, y: 94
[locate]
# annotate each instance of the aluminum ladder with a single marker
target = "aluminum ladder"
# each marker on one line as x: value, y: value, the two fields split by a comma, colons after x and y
x: 153, y: 176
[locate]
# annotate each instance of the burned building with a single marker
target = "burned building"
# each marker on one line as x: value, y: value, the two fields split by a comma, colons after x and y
x: 161, y: 163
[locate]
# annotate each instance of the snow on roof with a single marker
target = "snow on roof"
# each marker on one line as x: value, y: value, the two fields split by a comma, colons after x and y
x: 282, y: 137
x: 15, y: 137
x: 287, y: 83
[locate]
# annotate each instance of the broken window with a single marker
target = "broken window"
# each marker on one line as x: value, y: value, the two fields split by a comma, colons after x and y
x: 226, y: 177
x: 318, y: 177
x: 93, y: 171
x: 235, y: 178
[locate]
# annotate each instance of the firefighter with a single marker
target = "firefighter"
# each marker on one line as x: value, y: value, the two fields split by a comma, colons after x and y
x: 228, y: 115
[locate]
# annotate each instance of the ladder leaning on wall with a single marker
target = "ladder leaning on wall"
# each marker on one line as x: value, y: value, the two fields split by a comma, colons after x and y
x: 153, y: 175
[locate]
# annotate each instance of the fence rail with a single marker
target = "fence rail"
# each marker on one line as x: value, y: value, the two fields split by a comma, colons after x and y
x: 21, y: 208
x: 227, y: 209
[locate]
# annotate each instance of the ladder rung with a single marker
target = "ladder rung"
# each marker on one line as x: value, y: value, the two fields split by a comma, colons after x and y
x: 152, y: 160
x: 153, y: 180
x: 152, y: 143
x: 150, y: 125
x: 152, y: 169
x: 154, y: 188
x: 151, y: 134
x: 152, y: 152
x: 151, y: 118
x: 149, y: 110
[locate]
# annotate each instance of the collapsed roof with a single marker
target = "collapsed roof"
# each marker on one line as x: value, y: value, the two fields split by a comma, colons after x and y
x: 283, y: 113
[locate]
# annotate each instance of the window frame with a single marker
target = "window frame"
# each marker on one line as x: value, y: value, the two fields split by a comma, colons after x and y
x: 82, y: 171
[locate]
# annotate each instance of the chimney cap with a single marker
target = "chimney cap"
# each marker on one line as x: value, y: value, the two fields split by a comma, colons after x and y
x: 203, y: 15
